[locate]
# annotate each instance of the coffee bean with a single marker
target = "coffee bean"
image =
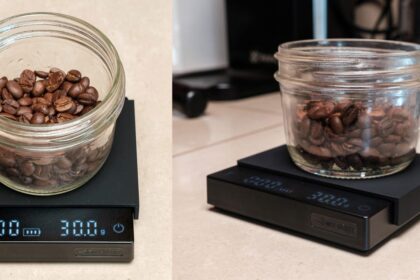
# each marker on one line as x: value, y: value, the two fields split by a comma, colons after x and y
x: 37, y: 118
x: 73, y: 76
x: 336, y: 124
x: 3, y: 82
x: 349, y: 115
x: 41, y: 74
x: 319, y: 110
x: 75, y: 90
x: 399, y: 114
x: 25, y: 101
x: 39, y: 107
x: 392, y: 139
x: 63, y: 104
x: 55, y: 79
x: 39, y: 88
x: 316, y: 130
x: 27, y: 168
x: 85, y: 82
x: 89, y: 97
x: 65, y: 87
x: 63, y: 117
x: 386, y: 127
x: 15, y: 89
x: 27, y: 80
x: 8, y: 116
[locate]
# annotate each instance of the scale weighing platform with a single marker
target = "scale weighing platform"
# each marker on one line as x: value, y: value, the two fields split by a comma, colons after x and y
x: 91, y: 224
x: 356, y: 214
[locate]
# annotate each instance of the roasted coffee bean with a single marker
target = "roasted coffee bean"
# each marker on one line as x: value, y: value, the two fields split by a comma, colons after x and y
x: 386, y: 127
x: 73, y: 76
x: 79, y: 109
x: 86, y: 110
x: 336, y: 124
x: 75, y: 90
x: 85, y: 82
x: 39, y: 107
x: 7, y: 115
x: 27, y: 80
x: 27, y: 168
x: 349, y: 115
x: 89, y: 97
x: 25, y: 118
x: 7, y: 159
x: 15, y: 89
x: 41, y: 74
x: 316, y: 130
x: 39, y: 88
x: 40, y: 100
x: 368, y: 133
x: 399, y: 114
x: 63, y: 104
x: 65, y: 87
x: 342, y: 106
x: 55, y: 79
x: 25, y: 101
x: 49, y: 97
x: 5, y: 94
x: 37, y: 118
x: 392, y: 139
x: 63, y: 117
x: 319, y: 110
x: 3, y: 82
x: 332, y: 137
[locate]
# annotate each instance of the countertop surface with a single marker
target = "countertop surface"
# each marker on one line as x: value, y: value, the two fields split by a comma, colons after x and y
x: 209, y: 245
x: 141, y: 32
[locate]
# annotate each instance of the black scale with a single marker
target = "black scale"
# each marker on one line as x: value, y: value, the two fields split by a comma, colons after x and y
x: 91, y: 224
x: 357, y: 214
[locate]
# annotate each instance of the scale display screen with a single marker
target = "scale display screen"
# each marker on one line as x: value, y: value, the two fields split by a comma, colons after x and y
x: 66, y: 224
x: 308, y: 192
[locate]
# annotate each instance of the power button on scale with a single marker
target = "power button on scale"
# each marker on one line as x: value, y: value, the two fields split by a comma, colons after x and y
x: 118, y: 228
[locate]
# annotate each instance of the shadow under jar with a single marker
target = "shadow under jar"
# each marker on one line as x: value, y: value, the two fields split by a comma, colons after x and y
x: 351, y: 106
x: 47, y: 159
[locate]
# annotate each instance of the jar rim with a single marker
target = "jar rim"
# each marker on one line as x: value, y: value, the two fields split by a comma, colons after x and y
x: 47, y: 130
x: 294, y: 48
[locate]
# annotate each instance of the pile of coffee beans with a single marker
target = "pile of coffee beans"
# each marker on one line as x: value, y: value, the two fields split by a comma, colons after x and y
x: 348, y: 135
x: 38, y: 97
x: 52, y: 170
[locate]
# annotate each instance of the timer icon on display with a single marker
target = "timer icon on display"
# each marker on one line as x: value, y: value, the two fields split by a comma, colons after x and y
x: 118, y: 228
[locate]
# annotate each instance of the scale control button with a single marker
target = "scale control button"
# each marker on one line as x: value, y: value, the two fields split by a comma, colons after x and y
x: 364, y: 207
x: 118, y: 228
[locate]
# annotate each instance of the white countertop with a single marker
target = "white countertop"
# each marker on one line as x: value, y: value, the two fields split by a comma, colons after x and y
x: 141, y: 32
x: 209, y: 245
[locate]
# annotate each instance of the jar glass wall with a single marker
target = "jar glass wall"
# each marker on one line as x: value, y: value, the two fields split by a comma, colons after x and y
x: 351, y: 107
x: 55, y: 158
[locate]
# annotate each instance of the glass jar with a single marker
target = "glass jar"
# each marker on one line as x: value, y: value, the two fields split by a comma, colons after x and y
x: 351, y: 106
x: 50, y: 159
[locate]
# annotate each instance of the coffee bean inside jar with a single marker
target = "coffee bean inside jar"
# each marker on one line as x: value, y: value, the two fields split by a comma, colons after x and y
x: 40, y: 97
x: 348, y: 135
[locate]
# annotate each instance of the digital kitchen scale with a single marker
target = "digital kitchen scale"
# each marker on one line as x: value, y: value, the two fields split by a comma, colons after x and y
x: 357, y: 214
x: 91, y: 224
